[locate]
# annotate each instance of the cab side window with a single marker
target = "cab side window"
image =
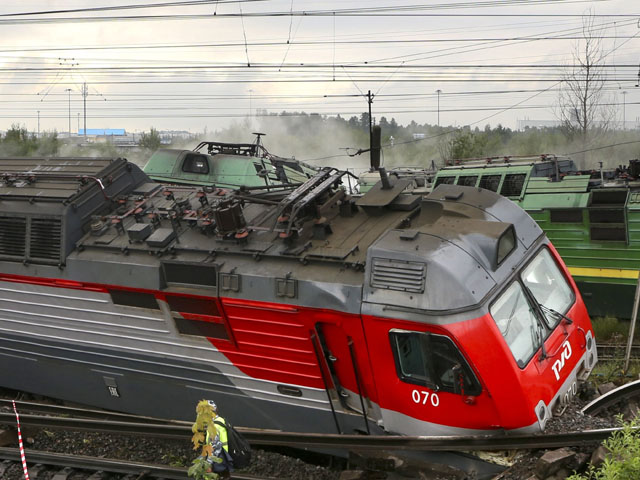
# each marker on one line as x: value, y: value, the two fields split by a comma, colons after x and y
x: 433, y: 361
x: 195, y: 164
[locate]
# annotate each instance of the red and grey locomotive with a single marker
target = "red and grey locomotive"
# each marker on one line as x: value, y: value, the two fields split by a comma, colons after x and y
x: 304, y: 309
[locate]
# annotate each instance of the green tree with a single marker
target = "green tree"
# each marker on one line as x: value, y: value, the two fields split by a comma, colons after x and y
x: 463, y: 144
x: 151, y: 140
x: 364, y: 121
x: 48, y: 144
x: 17, y: 141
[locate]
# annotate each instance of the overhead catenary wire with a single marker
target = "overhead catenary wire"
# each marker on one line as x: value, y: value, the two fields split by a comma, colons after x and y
x: 604, y: 147
x: 276, y: 43
x: 244, y: 34
x: 136, y: 6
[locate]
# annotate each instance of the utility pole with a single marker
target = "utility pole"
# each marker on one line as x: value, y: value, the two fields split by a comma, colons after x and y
x: 624, y: 109
x: 370, y: 101
x: 68, y: 90
x: 38, y: 123
x: 85, y: 93
x: 438, y: 92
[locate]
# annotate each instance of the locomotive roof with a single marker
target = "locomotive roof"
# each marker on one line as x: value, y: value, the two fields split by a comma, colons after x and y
x: 435, y: 253
x: 52, y: 178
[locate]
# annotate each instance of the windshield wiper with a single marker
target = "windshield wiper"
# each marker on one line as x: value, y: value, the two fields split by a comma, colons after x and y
x: 543, y: 308
x: 555, y: 312
x: 540, y: 316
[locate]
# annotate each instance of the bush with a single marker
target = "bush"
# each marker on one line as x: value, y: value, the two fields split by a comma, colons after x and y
x: 623, y: 461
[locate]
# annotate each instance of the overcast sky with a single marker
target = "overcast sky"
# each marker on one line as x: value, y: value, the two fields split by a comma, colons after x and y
x: 188, y: 65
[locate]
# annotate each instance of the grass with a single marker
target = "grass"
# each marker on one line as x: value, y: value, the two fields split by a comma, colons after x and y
x: 613, y: 371
x: 611, y: 330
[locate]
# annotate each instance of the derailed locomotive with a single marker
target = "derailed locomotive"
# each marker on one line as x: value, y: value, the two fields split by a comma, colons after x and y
x: 308, y: 310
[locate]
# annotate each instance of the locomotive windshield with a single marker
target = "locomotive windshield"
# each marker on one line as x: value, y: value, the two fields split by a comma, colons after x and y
x: 520, y: 311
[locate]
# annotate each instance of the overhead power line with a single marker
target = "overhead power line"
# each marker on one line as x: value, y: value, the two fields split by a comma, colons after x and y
x: 291, y: 12
x: 308, y: 43
x: 310, y: 66
x: 135, y: 6
x: 385, y: 11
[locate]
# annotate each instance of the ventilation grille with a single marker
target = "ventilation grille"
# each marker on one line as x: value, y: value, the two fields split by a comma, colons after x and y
x: 490, y: 182
x: 46, y: 236
x: 568, y: 215
x: 468, y: 180
x: 398, y: 275
x: 12, y: 236
x: 512, y: 185
x: 445, y: 181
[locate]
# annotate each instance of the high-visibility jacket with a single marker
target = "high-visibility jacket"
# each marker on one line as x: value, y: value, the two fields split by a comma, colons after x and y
x: 222, y: 433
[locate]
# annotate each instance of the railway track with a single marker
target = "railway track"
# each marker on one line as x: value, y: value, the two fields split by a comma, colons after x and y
x: 107, y: 422
x: 616, y: 351
x: 66, y: 464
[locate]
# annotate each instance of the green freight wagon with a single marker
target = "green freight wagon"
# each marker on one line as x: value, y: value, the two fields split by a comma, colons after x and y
x: 227, y: 165
x: 592, y: 218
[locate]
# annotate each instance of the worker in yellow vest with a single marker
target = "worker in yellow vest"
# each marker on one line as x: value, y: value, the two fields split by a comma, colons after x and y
x: 220, y: 445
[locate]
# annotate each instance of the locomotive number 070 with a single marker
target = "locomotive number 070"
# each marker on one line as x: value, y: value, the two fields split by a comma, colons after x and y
x: 423, y: 396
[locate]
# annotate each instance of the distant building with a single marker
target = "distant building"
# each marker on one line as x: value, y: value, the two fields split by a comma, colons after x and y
x: 103, y: 132
x: 117, y: 136
x: 121, y: 138
x: 528, y: 123
x: 171, y: 134
x: 419, y: 136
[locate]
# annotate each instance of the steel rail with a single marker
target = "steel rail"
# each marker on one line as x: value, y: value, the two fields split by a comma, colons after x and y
x: 330, y: 441
x: 106, y: 464
x: 166, y: 431
x: 609, y: 399
x: 94, y: 463
x: 84, y: 412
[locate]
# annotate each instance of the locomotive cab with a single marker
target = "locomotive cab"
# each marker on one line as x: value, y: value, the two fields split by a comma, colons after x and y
x: 485, y: 326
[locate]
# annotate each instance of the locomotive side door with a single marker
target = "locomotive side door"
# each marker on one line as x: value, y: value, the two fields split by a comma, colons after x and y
x: 347, y: 390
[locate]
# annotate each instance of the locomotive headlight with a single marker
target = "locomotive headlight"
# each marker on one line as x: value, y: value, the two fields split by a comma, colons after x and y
x: 542, y: 413
x: 592, y: 358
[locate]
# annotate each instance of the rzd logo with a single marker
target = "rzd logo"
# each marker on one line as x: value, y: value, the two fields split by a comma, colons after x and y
x: 559, y: 364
